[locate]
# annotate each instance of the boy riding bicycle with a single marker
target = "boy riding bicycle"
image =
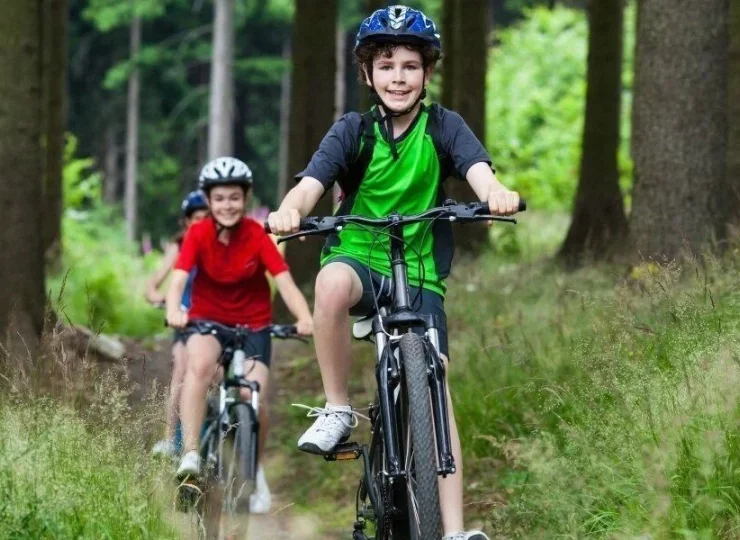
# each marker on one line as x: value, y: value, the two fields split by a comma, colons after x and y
x: 232, y: 254
x: 393, y: 158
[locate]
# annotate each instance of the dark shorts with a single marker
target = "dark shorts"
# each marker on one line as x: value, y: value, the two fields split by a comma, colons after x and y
x: 425, y: 302
x: 258, y: 343
x: 179, y: 336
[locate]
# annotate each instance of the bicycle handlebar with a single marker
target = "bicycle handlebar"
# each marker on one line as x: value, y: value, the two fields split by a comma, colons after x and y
x: 451, y: 211
x: 279, y: 331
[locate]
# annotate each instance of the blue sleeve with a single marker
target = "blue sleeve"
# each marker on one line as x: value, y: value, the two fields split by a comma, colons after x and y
x: 336, y: 152
x: 187, y: 293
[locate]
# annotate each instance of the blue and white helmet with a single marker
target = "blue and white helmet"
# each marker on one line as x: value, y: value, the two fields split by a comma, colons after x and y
x: 225, y: 171
x: 399, y: 24
x: 195, y: 200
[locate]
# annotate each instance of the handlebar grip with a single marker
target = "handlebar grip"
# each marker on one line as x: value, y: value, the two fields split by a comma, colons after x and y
x: 483, y: 206
x: 301, y: 226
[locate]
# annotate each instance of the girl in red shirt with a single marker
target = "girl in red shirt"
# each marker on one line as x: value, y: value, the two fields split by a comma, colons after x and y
x: 232, y: 254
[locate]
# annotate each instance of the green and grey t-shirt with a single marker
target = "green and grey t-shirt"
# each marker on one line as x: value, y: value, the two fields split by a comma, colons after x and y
x: 407, y: 185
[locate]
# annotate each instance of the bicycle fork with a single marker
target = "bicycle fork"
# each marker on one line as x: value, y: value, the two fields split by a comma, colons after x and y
x: 388, y: 378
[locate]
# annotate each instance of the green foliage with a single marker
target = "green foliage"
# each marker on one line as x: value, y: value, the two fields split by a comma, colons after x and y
x: 60, y: 478
x: 536, y: 99
x: 598, y: 406
x: 102, y: 282
x: 110, y: 14
x: 81, y: 185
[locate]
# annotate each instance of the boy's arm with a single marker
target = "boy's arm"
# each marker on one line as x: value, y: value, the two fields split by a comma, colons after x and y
x: 483, y: 180
x: 472, y: 162
x: 297, y: 203
x: 327, y: 165
x: 296, y: 302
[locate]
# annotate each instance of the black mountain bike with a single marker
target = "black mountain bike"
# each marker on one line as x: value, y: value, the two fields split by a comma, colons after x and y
x: 229, y: 440
x: 410, y: 444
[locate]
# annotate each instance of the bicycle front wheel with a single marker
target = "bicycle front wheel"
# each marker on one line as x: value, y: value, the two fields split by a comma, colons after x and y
x: 239, y: 458
x: 425, y: 520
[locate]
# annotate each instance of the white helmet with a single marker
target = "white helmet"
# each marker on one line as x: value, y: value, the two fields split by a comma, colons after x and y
x: 225, y: 171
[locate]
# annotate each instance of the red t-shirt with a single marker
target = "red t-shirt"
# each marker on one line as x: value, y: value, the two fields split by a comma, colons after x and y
x: 230, y: 286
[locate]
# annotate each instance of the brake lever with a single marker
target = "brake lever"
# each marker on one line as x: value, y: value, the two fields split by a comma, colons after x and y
x: 488, y: 217
x: 299, y: 234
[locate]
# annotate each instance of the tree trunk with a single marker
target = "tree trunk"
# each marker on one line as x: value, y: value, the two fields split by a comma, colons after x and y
x: 311, y: 111
x: 599, y: 224
x: 285, y: 83
x: 132, y: 132
x: 365, y: 101
x: 466, y: 22
x: 732, y: 186
x: 54, y: 39
x: 112, y: 177
x: 221, y: 113
x: 21, y: 157
x: 448, y: 28
x: 679, y: 124
x: 340, y: 88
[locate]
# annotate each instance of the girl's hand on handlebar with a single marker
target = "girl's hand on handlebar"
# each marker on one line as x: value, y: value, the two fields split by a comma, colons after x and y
x: 177, y: 318
x: 503, y: 202
x: 304, y: 327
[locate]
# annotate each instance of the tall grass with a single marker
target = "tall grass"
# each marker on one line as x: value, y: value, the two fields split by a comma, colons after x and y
x: 73, y: 463
x: 601, y: 403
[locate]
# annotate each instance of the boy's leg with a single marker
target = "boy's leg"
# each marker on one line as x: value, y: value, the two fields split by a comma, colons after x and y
x: 451, y: 488
x: 338, y: 288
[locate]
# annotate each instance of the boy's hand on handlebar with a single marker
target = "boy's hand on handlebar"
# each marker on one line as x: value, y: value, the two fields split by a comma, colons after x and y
x: 304, y: 327
x: 177, y: 319
x: 284, y: 222
x: 503, y: 202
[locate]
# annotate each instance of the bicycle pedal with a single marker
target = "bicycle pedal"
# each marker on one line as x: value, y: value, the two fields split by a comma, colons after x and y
x: 345, y: 452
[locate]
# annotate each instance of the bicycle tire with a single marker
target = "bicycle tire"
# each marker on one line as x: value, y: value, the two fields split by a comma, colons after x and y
x: 240, y: 445
x: 425, y: 520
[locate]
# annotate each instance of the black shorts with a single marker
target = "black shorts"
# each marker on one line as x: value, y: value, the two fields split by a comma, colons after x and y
x: 426, y: 303
x: 258, y: 343
x: 179, y: 336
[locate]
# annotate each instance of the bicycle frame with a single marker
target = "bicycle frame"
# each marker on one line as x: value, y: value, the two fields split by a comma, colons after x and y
x: 388, y: 375
x: 229, y: 389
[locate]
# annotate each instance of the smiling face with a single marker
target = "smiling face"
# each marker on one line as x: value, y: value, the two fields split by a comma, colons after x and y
x: 227, y: 204
x: 399, y: 78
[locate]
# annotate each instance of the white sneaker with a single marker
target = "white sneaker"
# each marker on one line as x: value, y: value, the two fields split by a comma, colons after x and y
x: 471, y: 535
x: 260, y: 501
x: 332, y: 427
x: 190, y: 465
x: 164, y: 448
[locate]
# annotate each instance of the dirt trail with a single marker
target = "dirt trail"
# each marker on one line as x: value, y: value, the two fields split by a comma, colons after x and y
x: 279, y: 524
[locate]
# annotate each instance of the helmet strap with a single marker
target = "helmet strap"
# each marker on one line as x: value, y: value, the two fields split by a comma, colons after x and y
x: 389, y: 115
